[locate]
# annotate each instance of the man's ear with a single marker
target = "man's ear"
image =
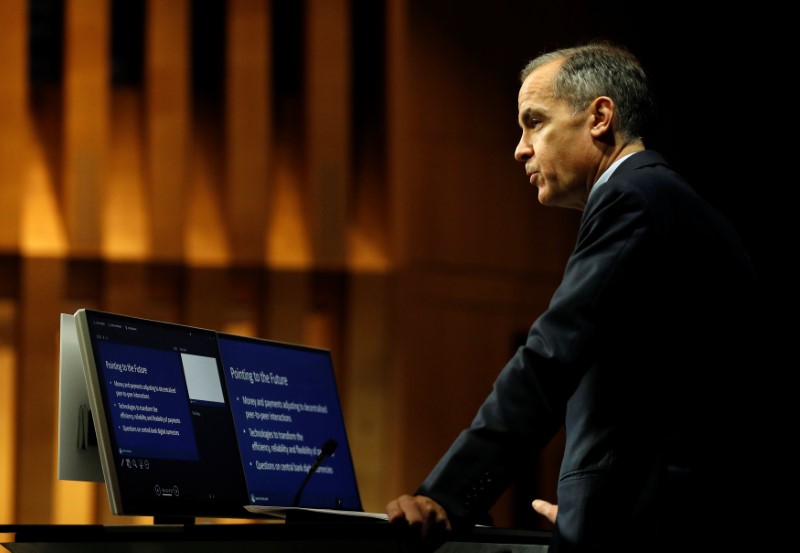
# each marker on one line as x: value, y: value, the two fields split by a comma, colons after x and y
x: 603, y: 111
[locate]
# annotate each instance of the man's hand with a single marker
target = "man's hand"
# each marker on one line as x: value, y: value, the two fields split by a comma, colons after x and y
x: 423, y: 515
x: 547, y: 510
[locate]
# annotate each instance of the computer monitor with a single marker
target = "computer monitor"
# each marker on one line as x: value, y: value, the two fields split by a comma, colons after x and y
x: 289, y: 422
x: 166, y: 437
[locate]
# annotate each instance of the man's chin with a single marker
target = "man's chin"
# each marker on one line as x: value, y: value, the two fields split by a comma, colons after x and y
x: 548, y: 200
x: 544, y: 198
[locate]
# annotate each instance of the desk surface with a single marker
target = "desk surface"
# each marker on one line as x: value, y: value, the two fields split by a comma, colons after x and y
x: 293, y: 537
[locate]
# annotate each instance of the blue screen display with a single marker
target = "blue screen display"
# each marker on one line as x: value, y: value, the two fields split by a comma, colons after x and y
x: 148, y: 402
x: 171, y: 432
x: 202, y: 423
x: 285, y: 406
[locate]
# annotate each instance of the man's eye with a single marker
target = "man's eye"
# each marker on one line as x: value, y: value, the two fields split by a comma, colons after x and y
x: 532, y: 123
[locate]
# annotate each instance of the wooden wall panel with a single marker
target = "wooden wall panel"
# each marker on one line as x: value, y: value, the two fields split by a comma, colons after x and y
x: 13, y: 119
x: 245, y: 301
x: 248, y: 123
x: 167, y: 123
x: 464, y: 131
x: 125, y: 220
x: 41, y: 287
x: 328, y: 128
x: 13, y: 109
x: 398, y: 149
x: 364, y: 388
x: 86, y: 112
x: 454, y: 333
x: 369, y: 212
x: 207, y: 237
x: 166, y: 291
x: 476, y: 257
x: 125, y: 288
x: 9, y: 382
x: 205, y: 301
x: 399, y: 145
x: 288, y: 294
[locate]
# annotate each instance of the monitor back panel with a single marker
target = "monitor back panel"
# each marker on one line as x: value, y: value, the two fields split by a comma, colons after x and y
x: 78, y: 457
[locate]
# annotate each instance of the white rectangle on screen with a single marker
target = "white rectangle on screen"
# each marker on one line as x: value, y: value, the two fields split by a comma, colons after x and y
x: 202, y: 380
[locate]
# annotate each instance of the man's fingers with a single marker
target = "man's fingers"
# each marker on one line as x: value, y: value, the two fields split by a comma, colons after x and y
x: 546, y: 509
x: 433, y: 513
x: 395, y: 511
x: 420, y: 512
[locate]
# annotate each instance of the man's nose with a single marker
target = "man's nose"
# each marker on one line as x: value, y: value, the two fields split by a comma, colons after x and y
x: 523, y: 152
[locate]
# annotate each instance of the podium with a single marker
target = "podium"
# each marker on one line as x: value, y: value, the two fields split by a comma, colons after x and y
x: 349, y: 537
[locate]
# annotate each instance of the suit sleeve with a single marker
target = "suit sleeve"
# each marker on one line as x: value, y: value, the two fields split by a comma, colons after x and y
x: 527, y: 404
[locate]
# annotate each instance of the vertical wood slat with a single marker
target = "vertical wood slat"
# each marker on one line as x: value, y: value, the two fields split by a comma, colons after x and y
x: 365, y: 397
x: 86, y: 100
x: 398, y: 145
x: 167, y: 120
x: 245, y: 301
x: 13, y: 106
x: 13, y: 120
x: 369, y: 216
x: 42, y: 284
x: 125, y: 289
x: 206, y: 297
x: 288, y: 299
x: 248, y: 124
x: 8, y: 408
x: 328, y: 128
x: 397, y: 156
x: 124, y: 216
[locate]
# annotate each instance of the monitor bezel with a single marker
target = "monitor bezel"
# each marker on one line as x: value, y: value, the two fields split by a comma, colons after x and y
x: 344, y: 438
x: 119, y: 505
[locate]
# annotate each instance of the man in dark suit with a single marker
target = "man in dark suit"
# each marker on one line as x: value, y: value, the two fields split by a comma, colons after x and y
x: 635, y: 354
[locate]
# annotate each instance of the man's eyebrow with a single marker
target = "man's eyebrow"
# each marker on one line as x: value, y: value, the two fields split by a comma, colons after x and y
x: 527, y: 114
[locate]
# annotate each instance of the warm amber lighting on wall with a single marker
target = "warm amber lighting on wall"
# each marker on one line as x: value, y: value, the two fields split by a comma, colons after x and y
x: 43, y: 232
x: 206, y: 240
x: 125, y: 220
x: 8, y: 411
x: 288, y: 242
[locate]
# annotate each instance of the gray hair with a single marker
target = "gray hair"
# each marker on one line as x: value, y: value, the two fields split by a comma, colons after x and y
x: 602, y: 69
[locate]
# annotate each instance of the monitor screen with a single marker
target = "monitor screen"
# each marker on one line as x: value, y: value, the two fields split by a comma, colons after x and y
x: 165, y: 429
x: 286, y: 407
